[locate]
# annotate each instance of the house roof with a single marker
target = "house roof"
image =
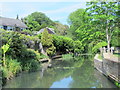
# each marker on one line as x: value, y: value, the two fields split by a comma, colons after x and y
x: 12, y: 22
x: 50, y: 30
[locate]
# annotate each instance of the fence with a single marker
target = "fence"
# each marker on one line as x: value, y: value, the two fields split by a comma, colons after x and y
x: 106, y: 50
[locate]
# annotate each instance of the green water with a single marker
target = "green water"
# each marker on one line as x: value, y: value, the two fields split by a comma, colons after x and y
x: 63, y: 74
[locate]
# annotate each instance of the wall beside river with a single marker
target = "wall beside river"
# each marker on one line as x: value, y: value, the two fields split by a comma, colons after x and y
x: 108, y: 67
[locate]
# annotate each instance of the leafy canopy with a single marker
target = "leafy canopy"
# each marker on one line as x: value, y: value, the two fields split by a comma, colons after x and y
x: 37, y: 20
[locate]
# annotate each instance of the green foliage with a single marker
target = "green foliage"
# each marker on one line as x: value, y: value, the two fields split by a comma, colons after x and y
x: 51, y: 50
x: 78, y: 48
x: 103, y: 16
x: 13, y: 67
x: 60, y: 29
x: 18, y: 50
x: 46, y: 39
x: 116, y: 38
x: 37, y: 20
x: 43, y: 56
x: 27, y: 32
x: 117, y: 84
x: 1, y: 56
x: 75, y: 20
x: 95, y: 23
x: 99, y: 45
x: 16, y: 45
x: 5, y: 36
x: 67, y: 56
x: 47, y: 42
x: 100, y: 57
x: 5, y: 48
x: 62, y: 43
x: 29, y: 60
x: 66, y: 44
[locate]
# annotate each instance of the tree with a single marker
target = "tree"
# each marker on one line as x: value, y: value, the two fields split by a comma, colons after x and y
x: 84, y: 30
x: 75, y: 20
x: 47, y: 42
x: 17, y: 17
x: 37, y: 20
x: 60, y: 29
x: 103, y: 15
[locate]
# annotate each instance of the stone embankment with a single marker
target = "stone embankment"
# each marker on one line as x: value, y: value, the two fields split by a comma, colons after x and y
x: 109, y: 66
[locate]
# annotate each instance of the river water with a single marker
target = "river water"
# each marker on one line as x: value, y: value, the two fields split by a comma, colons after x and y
x: 63, y: 74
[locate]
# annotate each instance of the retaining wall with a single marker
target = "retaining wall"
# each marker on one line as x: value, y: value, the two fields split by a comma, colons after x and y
x: 110, y: 68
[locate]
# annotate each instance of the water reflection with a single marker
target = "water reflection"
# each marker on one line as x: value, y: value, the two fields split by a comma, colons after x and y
x: 63, y: 76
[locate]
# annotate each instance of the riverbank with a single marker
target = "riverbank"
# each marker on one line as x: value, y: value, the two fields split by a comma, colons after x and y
x: 109, y: 66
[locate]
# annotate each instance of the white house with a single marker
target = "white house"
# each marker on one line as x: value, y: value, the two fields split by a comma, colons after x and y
x: 11, y: 24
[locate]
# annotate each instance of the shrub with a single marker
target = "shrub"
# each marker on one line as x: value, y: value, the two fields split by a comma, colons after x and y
x: 5, y: 36
x: 78, y: 48
x: 98, y: 45
x: 28, y: 59
x: 26, y: 32
x: 16, y: 45
x: 47, y: 42
x: 43, y: 56
x: 13, y: 67
x: 66, y: 44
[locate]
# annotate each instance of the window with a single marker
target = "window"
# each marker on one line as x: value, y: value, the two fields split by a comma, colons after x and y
x: 5, y: 27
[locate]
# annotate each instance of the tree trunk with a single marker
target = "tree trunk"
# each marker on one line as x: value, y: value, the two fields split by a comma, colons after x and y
x: 108, y: 46
x: 108, y: 39
x: 4, y: 62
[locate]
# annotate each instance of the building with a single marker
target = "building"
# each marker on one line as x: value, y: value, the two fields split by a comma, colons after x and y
x: 11, y: 24
x: 50, y: 30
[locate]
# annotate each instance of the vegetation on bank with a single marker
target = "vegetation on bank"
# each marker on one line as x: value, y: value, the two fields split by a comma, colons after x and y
x: 100, y: 57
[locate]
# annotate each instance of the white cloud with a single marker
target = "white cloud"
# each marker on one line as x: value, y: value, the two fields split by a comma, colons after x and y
x: 43, y: 0
x: 65, y: 9
x: 0, y: 9
x: 4, y: 9
x: 57, y: 18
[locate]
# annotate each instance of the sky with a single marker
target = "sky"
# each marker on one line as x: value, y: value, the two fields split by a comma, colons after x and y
x: 54, y: 9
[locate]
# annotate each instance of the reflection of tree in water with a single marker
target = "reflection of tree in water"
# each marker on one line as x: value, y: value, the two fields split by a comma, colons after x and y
x: 87, y: 77
x: 33, y: 80
x: 83, y: 76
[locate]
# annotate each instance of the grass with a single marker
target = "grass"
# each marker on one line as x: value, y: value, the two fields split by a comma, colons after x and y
x: 100, y: 57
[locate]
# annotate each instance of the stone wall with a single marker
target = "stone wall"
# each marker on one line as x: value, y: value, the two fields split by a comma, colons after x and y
x: 110, y: 68
x: 98, y: 65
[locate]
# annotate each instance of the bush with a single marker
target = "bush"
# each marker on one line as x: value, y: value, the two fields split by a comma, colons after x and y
x: 5, y: 36
x: 28, y: 59
x: 16, y: 45
x: 27, y: 32
x: 43, y: 56
x: 66, y: 44
x: 12, y: 68
x: 47, y: 42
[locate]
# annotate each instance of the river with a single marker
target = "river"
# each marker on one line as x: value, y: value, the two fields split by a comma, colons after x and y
x: 63, y: 74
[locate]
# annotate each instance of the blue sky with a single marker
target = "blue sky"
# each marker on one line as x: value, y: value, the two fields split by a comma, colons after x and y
x: 57, y: 11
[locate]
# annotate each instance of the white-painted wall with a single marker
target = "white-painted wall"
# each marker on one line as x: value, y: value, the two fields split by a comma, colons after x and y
x: 1, y: 27
x: 10, y: 28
